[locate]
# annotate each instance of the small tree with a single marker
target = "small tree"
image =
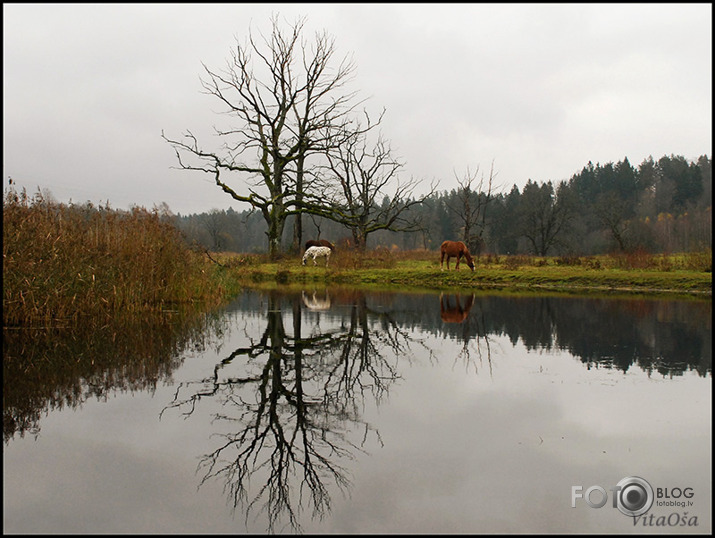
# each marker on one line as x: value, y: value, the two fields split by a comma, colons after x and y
x: 358, y: 174
x: 612, y: 212
x: 544, y: 215
x: 471, y: 208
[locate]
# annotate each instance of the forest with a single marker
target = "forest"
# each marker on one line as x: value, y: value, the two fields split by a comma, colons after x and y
x: 658, y: 206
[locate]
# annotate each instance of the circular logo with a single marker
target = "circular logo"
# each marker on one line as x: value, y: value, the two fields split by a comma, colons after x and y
x: 635, y: 496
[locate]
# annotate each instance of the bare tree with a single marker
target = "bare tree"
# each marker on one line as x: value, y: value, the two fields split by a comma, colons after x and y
x: 473, y: 197
x: 359, y: 174
x: 545, y: 215
x: 290, y: 104
x: 213, y: 223
x: 612, y: 212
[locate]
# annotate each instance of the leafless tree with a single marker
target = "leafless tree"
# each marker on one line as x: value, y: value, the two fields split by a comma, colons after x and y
x: 612, y: 211
x: 359, y: 174
x: 473, y: 197
x: 290, y: 103
x: 545, y: 215
x: 213, y: 224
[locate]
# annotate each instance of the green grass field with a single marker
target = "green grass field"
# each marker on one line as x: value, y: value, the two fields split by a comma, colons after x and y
x: 688, y: 274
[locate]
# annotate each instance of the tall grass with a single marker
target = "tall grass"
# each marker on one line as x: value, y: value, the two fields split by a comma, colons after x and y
x: 64, y: 262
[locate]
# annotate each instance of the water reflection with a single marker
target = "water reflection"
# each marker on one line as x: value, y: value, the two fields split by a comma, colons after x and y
x: 295, y: 414
x: 292, y: 417
x: 454, y: 313
x: 668, y: 337
x: 288, y: 397
x: 315, y: 302
x: 46, y: 369
x: 470, y: 329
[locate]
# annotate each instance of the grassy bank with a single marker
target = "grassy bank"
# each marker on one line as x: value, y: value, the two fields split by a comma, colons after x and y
x: 66, y: 262
x: 684, y: 274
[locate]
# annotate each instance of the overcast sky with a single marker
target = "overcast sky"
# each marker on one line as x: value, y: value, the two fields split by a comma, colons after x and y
x: 540, y: 90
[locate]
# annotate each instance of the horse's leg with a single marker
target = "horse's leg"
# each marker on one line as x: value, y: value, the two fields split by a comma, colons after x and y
x: 441, y: 261
x: 327, y: 259
x: 456, y: 267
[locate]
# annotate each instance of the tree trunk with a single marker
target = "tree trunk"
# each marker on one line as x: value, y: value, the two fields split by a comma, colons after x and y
x: 297, y: 233
x: 276, y: 224
x: 298, y: 223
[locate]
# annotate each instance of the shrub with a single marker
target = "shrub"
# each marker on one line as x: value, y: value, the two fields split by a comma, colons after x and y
x: 700, y: 261
x: 379, y: 258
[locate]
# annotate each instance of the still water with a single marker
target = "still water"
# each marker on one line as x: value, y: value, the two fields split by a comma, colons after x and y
x: 338, y: 411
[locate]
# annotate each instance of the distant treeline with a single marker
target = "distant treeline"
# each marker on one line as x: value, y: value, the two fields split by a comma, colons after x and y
x: 658, y: 206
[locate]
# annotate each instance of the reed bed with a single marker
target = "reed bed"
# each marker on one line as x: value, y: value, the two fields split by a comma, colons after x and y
x: 63, y: 263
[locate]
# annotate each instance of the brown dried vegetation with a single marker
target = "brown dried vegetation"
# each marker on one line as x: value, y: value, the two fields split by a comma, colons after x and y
x: 63, y: 263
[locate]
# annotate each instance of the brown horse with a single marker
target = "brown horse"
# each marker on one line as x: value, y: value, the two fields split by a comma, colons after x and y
x: 319, y: 243
x: 455, y: 249
x: 454, y: 314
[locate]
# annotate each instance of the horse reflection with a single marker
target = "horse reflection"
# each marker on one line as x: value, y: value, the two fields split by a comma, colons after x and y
x: 457, y: 313
x: 315, y: 303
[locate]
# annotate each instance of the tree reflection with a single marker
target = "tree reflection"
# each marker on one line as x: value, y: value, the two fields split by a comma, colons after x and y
x: 472, y: 332
x: 295, y: 412
x: 663, y: 336
x: 48, y: 369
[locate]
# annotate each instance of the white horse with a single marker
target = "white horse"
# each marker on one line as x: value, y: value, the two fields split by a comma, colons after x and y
x: 315, y: 253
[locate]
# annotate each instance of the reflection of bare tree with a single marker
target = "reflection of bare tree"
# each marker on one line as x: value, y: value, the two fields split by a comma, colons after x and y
x: 455, y: 312
x: 295, y: 411
x: 482, y: 335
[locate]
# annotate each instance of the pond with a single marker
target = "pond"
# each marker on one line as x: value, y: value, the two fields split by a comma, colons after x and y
x: 343, y: 411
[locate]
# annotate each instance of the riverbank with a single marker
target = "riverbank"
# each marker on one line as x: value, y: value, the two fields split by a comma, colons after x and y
x: 71, y: 265
x: 684, y: 275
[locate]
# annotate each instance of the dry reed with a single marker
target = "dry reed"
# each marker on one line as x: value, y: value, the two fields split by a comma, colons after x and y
x: 66, y: 262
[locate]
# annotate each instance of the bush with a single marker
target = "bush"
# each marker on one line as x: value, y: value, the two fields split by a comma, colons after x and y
x: 700, y: 261
x: 379, y: 258
x: 516, y: 261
